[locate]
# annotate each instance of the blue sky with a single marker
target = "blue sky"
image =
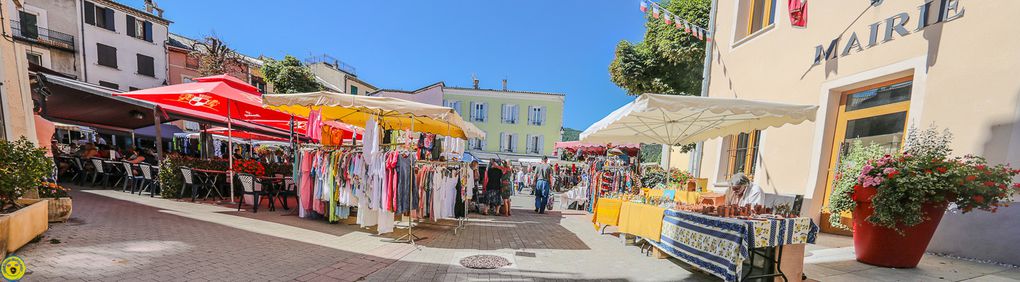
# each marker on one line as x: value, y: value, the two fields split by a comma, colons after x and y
x: 539, y: 45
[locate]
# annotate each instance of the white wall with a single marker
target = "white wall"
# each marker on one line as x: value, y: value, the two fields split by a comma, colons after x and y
x: 126, y: 74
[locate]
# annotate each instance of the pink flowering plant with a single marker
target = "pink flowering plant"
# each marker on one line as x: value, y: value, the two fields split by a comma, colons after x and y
x: 924, y: 173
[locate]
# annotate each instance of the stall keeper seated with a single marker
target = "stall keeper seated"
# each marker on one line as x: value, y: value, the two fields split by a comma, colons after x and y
x: 743, y: 192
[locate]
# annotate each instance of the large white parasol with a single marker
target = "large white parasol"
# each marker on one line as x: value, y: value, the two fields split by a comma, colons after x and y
x: 679, y: 120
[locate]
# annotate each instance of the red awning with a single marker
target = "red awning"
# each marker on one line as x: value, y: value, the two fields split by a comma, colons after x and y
x: 211, y: 95
x: 222, y: 131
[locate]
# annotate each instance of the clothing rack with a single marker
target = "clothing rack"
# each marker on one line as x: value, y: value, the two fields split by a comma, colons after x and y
x: 462, y: 221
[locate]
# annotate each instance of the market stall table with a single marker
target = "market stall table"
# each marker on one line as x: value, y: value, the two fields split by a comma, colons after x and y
x: 720, y: 246
x: 641, y: 220
x: 607, y: 212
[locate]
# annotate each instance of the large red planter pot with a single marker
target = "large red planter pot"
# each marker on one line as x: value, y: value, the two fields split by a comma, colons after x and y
x: 882, y: 246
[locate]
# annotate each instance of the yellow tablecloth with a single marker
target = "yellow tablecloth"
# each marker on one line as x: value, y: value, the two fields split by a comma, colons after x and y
x: 641, y: 220
x: 607, y: 211
x: 686, y: 197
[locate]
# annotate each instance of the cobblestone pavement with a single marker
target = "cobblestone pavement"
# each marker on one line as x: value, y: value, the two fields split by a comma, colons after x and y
x: 116, y: 236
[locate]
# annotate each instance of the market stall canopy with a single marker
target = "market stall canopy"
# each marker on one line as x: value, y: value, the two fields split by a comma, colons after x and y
x: 679, y: 120
x: 81, y: 103
x: 580, y: 145
x: 168, y: 131
x: 220, y: 95
x: 393, y: 113
x: 241, y: 134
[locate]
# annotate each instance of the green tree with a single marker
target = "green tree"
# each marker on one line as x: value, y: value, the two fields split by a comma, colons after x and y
x: 570, y: 134
x: 289, y: 76
x: 667, y: 61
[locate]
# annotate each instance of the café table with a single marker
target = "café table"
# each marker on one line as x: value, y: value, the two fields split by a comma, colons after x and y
x: 274, y: 184
x: 211, y: 178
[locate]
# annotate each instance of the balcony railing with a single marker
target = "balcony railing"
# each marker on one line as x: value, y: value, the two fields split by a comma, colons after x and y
x: 43, y: 36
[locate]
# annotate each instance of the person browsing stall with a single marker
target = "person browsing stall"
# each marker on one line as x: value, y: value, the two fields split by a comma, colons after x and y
x: 543, y: 174
x: 743, y: 192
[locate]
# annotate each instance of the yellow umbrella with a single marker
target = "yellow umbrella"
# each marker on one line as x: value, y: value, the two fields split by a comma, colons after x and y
x: 392, y: 113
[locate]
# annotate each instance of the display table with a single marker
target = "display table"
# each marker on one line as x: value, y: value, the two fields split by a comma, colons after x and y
x: 680, y: 196
x: 607, y: 211
x: 641, y: 220
x: 721, y: 245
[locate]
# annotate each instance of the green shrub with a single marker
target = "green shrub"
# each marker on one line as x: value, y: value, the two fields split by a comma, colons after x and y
x: 22, y: 166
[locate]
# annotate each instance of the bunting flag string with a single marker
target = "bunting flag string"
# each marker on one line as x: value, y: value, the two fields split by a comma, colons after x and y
x: 676, y: 21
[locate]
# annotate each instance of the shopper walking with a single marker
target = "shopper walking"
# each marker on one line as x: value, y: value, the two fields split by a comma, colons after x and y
x: 543, y: 173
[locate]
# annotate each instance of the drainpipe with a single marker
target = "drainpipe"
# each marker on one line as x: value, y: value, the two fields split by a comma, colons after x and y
x: 699, y: 149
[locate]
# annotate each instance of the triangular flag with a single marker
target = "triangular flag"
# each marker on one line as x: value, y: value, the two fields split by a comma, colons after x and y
x: 678, y: 23
x: 655, y: 12
x: 669, y: 19
x: 687, y: 27
x: 644, y: 6
x: 701, y: 34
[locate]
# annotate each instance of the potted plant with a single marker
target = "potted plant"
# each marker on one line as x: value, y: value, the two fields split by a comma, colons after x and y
x: 22, y: 166
x: 899, y: 199
x: 58, y: 199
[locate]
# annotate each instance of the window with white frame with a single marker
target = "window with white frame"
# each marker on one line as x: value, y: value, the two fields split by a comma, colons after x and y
x: 476, y: 144
x: 455, y: 105
x: 536, y: 115
x: 509, y: 113
x: 479, y: 111
x: 535, y: 144
x: 508, y: 142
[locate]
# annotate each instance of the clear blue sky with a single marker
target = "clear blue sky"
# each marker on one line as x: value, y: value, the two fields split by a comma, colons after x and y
x: 539, y: 45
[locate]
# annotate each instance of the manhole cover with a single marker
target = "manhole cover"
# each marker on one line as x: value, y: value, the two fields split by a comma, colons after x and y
x: 484, y: 262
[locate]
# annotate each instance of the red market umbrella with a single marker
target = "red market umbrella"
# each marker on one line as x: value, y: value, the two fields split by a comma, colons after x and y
x: 223, y: 131
x: 220, y: 95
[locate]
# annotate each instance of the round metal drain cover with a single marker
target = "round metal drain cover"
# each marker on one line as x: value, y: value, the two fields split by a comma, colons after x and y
x: 484, y: 262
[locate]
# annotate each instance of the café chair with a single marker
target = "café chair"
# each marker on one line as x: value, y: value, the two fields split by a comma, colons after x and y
x: 100, y: 170
x: 248, y: 188
x: 129, y: 176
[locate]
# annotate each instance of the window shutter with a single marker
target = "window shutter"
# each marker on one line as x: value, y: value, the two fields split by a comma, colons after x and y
x: 107, y: 55
x: 109, y: 19
x: 541, y: 144
x: 131, y: 29
x: 147, y: 28
x: 542, y: 116
x: 472, y: 111
x: 90, y: 13
x: 502, y: 141
x: 146, y: 65
x: 485, y: 111
x: 503, y: 113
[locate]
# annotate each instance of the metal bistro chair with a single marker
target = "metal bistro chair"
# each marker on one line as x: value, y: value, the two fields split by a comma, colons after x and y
x: 287, y: 189
x: 129, y: 176
x: 191, y: 180
x: 100, y: 170
x: 77, y: 171
x: 149, y: 182
x: 248, y: 188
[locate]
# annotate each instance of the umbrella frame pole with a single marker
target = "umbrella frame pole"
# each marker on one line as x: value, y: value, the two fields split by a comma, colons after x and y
x: 230, y: 152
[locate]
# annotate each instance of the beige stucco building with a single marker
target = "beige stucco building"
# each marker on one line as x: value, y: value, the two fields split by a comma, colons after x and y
x: 889, y: 68
x: 15, y: 97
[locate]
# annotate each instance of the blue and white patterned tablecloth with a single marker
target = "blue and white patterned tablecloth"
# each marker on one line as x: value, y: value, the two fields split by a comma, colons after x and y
x: 720, y: 245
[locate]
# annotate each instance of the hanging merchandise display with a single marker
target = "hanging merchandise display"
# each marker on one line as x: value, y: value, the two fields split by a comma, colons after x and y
x: 683, y: 24
x: 798, y: 12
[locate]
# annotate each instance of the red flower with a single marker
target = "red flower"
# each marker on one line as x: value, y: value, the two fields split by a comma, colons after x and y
x: 989, y: 184
x: 978, y: 199
x: 971, y: 178
x: 893, y: 174
x: 942, y: 169
x: 981, y: 167
x: 928, y: 171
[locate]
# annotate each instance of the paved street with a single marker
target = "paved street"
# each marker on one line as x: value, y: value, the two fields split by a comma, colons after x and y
x: 117, y: 236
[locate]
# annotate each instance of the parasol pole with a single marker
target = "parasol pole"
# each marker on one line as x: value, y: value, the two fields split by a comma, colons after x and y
x: 230, y: 152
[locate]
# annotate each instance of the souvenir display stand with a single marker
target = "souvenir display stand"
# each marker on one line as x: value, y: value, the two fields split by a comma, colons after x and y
x: 397, y: 173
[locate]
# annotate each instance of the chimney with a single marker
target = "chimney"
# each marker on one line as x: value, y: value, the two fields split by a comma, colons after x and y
x: 504, y: 84
x: 151, y: 6
x: 474, y: 80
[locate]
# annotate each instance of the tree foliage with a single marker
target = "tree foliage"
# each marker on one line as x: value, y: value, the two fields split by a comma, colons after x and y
x: 667, y: 61
x: 215, y: 57
x: 570, y: 134
x: 289, y: 76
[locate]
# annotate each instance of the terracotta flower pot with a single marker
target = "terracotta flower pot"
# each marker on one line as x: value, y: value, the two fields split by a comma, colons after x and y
x: 881, y: 246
